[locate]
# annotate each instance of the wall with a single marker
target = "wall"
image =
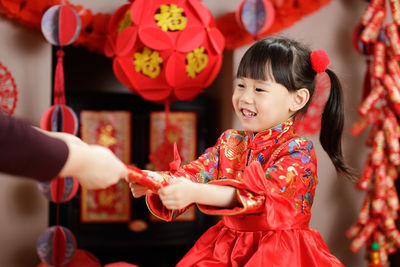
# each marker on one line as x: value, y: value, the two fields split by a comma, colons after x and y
x: 23, y: 210
x: 28, y: 56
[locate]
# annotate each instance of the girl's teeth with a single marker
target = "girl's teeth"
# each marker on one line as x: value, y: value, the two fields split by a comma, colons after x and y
x: 248, y: 113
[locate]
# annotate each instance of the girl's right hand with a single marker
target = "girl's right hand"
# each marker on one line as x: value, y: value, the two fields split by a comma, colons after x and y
x: 138, y: 190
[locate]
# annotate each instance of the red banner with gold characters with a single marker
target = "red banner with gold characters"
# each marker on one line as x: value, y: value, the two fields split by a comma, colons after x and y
x: 111, y: 129
x: 182, y: 131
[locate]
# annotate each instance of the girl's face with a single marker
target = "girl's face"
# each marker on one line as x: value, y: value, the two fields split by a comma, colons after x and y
x: 260, y: 104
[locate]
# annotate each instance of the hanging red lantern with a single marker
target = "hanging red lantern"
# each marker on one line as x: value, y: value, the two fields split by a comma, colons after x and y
x: 8, y: 91
x: 255, y: 16
x: 60, y: 26
x: 81, y: 258
x: 59, y: 190
x: 60, y: 118
x: 56, y: 246
x: 165, y: 51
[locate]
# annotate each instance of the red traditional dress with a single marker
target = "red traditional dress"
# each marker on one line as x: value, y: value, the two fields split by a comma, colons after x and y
x: 275, y: 173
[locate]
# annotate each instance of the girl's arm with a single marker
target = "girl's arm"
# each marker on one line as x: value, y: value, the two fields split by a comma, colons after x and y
x: 183, y: 192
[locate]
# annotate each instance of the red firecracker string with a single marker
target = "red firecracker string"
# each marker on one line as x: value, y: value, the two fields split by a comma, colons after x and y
x: 375, y: 227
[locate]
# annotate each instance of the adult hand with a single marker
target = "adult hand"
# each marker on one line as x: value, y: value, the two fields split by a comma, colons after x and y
x: 94, y: 166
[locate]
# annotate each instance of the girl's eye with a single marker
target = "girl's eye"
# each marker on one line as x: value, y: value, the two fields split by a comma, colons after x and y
x: 260, y: 90
x: 240, y: 85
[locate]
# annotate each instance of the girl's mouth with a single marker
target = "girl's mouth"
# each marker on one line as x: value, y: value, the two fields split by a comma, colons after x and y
x: 247, y: 113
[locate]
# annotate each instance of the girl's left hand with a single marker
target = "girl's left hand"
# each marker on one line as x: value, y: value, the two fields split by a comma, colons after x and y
x: 178, y: 195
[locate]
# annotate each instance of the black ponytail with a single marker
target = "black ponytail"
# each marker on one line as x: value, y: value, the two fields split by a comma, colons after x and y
x: 332, y: 122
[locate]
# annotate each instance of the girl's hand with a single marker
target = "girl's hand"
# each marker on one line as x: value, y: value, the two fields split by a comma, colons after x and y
x: 138, y: 190
x: 179, y: 194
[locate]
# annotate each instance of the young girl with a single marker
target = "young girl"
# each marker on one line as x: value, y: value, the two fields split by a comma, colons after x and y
x: 261, y: 180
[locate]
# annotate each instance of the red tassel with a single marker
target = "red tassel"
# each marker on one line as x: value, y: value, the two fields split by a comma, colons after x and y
x: 59, y: 92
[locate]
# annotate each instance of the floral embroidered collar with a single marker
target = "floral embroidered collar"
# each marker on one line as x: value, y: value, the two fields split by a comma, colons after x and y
x: 277, y: 134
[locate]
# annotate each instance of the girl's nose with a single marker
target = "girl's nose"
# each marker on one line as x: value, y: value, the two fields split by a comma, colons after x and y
x: 247, y: 97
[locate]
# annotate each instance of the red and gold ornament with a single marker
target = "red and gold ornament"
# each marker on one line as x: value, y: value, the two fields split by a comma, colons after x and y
x: 166, y: 51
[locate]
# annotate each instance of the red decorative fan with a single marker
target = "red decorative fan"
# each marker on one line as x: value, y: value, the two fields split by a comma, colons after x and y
x: 8, y: 91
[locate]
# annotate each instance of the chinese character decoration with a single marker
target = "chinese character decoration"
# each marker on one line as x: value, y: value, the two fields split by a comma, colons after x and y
x: 8, y: 91
x: 111, y: 129
x: 165, y: 51
x: 379, y: 109
x: 56, y: 246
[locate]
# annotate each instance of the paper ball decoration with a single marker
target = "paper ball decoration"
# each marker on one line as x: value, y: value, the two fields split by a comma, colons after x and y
x: 60, y: 118
x: 255, y: 16
x: 81, y: 258
x: 8, y: 91
x: 61, y: 25
x: 59, y: 190
x: 56, y: 246
x: 165, y: 51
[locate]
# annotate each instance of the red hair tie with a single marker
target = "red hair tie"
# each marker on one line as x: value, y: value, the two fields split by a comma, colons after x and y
x: 319, y: 60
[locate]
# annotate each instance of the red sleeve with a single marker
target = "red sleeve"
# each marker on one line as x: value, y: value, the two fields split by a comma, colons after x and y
x: 28, y: 152
x: 290, y: 176
x: 202, y: 170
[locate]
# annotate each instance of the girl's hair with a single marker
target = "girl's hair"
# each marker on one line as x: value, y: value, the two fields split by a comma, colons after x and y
x: 288, y: 62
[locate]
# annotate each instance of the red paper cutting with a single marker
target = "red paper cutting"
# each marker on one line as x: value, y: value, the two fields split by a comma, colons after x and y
x: 8, y: 91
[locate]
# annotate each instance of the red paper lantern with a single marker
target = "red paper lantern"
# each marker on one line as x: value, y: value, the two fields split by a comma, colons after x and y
x: 165, y: 50
x: 56, y: 246
x: 59, y: 190
x: 81, y: 258
x: 60, y: 25
x: 60, y: 118
x: 255, y: 16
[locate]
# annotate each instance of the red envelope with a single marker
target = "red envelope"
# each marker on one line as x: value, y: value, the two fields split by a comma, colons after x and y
x: 138, y: 176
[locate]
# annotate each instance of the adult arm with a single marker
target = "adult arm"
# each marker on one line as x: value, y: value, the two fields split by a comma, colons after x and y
x: 28, y: 152
x: 41, y: 155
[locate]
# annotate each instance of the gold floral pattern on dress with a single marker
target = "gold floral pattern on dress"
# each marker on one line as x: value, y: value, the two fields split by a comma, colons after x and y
x: 234, y: 146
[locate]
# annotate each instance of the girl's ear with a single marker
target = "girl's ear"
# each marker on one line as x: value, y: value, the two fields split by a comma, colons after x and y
x: 300, y: 99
